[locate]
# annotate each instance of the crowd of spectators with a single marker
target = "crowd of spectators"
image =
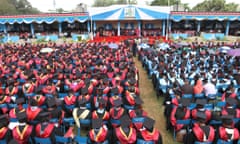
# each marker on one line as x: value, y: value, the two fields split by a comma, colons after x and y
x: 200, y: 86
x: 45, y: 94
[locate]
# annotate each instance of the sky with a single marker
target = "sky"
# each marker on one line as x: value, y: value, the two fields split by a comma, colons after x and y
x: 45, y: 5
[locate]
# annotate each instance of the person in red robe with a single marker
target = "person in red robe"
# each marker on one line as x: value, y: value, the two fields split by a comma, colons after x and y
x: 13, y: 112
x: 200, y: 131
x: 200, y: 109
x: 33, y: 111
x: 23, y: 132
x: 117, y: 112
x: 125, y: 133
x: 99, y: 132
x: 227, y: 132
x: 149, y: 133
x: 5, y: 132
x: 101, y: 111
x: 45, y: 129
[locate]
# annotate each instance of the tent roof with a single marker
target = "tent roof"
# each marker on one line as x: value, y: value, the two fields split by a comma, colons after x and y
x: 220, y: 16
x: 129, y: 12
x: 47, y: 18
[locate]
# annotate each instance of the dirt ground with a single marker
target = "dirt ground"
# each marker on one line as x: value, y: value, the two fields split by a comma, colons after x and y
x: 152, y: 105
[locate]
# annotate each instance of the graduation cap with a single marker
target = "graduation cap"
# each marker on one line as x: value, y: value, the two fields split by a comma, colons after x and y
x: 38, y: 90
x: 132, y: 81
x: 231, y: 101
x: 10, y: 81
x: 44, y: 116
x: 201, y: 102
x: 82, y: 101
x: 105, y: 80
x: 3, y: 120
x: 184, y: 102
x: 33, y: 102
x: 51, y: 102
x: 84, y: 91
x: 125, y: 121
x: 102, y: 101
x: 114, y: 91
x: 13, y: 141
x: 20, y: 100
x: 148, y: 123
x: 97, y: 123
x: 117, y: 102
x: 22, y: 116
x: 138, y: 100
x: 227, y: 119
x: 201, y: 116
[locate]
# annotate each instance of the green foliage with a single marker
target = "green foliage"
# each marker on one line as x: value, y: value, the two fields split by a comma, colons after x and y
x: 215, y: 5
x: 101, y: 3
x: 165, y: 2
x: 10, y: 7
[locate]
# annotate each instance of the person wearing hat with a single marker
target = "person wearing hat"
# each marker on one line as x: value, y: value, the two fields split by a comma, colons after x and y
x: 45, y: 129
x: 28, y: 87
x: 41, y: 100
x: 85, y: 95
x: 55, y: 112
x: 4, y: 99
x: 230, y: 108
x: 33, y: 111
x: 13, y: 112
x: 69, y: 101
x: 125, y: 133
x: 50, y: 88
x: 22, y: 132
x: 101, y: 111
x: 227, y: 132
x: 200, y: 131
x: 180, y: 112
x: 117, y: 111
x: 114, y: 95
x: 149, y: 133
x: 200, y: 109
x: 81, y: 111
x: 11, y: 88
x: 99, y: 132
x: 5, y: 132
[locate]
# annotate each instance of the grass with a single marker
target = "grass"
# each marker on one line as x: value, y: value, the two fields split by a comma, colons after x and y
x: 152, y: 105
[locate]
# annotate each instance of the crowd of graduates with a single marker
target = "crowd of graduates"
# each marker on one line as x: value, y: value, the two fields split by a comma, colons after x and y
x: 200, y: 90
x: 81, y: 85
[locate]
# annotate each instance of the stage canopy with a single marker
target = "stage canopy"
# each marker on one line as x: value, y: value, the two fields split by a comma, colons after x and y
x: 47, y: 18
x: 129, y: 12
x: 220, y: 16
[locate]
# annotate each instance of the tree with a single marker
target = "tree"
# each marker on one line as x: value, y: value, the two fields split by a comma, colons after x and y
x: 215, y: 5
x: 100, y: 3
x: 10, y: 7
x: 165, y: 2
x: 7, y: 8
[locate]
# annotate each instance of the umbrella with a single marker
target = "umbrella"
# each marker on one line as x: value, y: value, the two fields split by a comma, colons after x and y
x: 46, y: 50
x: 113, y: 46
x: 163, y: 46
x: 144, y: 45
x: 234, y: 52
x: 224, y: 49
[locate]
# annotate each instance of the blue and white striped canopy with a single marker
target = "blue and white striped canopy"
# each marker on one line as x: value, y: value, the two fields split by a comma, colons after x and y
x: 129, y: 12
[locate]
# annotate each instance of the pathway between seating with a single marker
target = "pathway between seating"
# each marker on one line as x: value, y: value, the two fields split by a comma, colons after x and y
x: 152, y: 105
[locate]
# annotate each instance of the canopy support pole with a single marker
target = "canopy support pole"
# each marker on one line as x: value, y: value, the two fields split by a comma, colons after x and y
x: 60, y: 27
x: 119, y: 25
x: 88, y: 26
x: 139, y: 29
x: 4, y: 28
x: 199, y: 26
x: 227, y: 28
x: 94, y: 27
x: 32, y: 29
x: 163, y: 27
